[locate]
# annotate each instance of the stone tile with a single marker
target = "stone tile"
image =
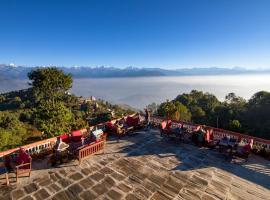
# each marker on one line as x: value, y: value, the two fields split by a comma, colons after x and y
x: 142, y: 192
x: 88, y: 195
x: 118, y: 176
x: 65, y: 195
x: 97, y: 176
x: 45, y: 182
x: 132, y: 197
x: 198, y: 180
x: 86, y: 171
x: 150, y: 186
x: 124, y: 187
x: 16, y: 194
x: 41, y: 194
x: 86, y: 183
x: 27, y: 198
x: 76, y: 176
x: 100, y: 189
x: 160, y: 196
x: 53, y: 188
x: 106, y: 170
x: 75, y: 189
x: 64, y: 182
x: 189, y: 194
x: 215, y: 193
x: 108, y: 182
x: 134, y: 179
x: 61, y: 196
x: 30, y: 188
x: 114, y: 194
x: 209, y: 197
x: 158, y: 180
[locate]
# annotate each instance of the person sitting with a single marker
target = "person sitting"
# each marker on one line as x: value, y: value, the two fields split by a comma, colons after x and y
x: 60, y: 149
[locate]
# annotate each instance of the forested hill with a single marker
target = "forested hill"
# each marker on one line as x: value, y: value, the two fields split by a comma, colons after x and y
x: 46, y: 109
x: 235, y: 113
x: 20, y: 72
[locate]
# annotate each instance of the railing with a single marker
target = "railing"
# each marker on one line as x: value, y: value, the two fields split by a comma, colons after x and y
x: 37, y: 147
x: 90, y: 150
x: 219, y: 133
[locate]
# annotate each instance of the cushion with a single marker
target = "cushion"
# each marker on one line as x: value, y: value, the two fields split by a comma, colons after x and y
x: 76, y: 136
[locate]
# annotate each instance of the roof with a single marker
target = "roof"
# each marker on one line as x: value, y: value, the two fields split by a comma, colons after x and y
x: 146, y: 166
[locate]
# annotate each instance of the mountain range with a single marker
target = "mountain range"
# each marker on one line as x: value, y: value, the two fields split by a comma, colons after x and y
x: 20, y: 72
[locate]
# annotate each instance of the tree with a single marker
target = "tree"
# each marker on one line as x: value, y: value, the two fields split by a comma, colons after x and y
x: 234, y: 125
x: 198, y: 114
x: 49, y: 84
x: 2, y: 98
x: 182, y: 112
x: 53, y: 120
x: 153, y: 107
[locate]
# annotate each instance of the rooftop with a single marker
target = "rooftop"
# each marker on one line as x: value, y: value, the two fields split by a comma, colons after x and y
x: 146, y: 166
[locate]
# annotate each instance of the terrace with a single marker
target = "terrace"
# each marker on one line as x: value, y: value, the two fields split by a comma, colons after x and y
x: 147, y: 166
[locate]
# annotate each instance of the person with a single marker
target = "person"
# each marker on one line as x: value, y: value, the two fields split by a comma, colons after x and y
x: 60, y: 150
x: 147, y: 119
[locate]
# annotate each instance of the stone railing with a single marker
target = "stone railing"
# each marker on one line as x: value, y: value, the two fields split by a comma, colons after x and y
x: 219, y: 133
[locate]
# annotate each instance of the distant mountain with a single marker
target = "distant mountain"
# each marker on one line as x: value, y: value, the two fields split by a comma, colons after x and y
x: 20, y: 72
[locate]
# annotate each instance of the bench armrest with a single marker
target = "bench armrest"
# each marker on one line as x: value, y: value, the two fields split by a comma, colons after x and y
x: 23, y: 165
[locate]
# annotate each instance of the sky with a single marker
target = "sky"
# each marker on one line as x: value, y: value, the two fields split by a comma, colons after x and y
x: 140, y: 33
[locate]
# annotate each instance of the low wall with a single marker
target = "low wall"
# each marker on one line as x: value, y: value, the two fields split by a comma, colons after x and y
x: 38, y: 146
x: 219, y: 133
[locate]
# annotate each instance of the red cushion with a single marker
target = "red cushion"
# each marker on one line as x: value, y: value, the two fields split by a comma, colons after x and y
x: 76, y: 136
x: 65, y: 137
x: 169, y: 124
x: 163, y: 125
x: 110, y: 125
x: 23, y: 158
x: 129, y: 121
x: 136, y: 121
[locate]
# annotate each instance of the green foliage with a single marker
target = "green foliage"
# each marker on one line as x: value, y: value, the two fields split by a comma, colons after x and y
x: 49, y: 84
x: 174, y: 110
x: 235, y: 113
x: 153, y: 107
x: 53, y: 120
x: 234, y: 125
x: 182, y: 112
x: 12, y: 131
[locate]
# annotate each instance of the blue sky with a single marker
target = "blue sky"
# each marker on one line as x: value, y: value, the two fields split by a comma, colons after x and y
x: 141, y: 33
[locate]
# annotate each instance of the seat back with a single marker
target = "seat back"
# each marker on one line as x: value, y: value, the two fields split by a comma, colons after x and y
x: 209, y: 135
x: 76, y: 136
x: 23, y: 157
x: 169, y: 124
x: 65, y: 138
x: 163, y: 125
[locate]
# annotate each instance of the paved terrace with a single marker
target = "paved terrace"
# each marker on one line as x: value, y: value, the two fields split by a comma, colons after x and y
x: 147, y: 166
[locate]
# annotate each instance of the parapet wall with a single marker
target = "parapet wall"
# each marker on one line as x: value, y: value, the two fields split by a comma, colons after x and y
x: 37, y: 147
x: 219, y: 133
x: 41, y: 145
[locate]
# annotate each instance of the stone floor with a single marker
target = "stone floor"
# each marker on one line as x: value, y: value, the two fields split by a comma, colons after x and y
x: 146, y: 166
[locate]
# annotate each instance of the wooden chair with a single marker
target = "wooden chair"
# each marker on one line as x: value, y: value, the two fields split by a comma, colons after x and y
x: 4, y: 171
x: 24, y: 168
x: 23, y: 164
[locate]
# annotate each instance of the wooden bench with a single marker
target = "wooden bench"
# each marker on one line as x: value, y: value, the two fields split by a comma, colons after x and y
x: 91, y: 149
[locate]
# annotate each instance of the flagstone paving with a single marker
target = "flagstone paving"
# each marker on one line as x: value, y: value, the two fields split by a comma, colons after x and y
x: 146, y: 166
